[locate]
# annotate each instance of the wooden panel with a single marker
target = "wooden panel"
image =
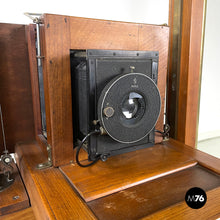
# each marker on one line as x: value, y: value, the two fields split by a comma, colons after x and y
x: 100, y: 34
x: 58, y: 101
x: 193, y: 90
x: 14, y: 198
x: 124, y: 171
x: 204, y: 159
x: 30, y: 34
x: 26, y: 214
x: 192, y: 25
x: 184, y: 65
x: 210, y: 211
x: 48, y: 189
x: 147, y: 198
x: 15, y: 86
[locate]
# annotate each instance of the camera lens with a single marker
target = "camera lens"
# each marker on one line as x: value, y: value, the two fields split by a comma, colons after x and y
x: 132, y: 105
x: 128, y: 107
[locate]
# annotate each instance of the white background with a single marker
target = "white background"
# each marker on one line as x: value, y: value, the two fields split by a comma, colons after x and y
x: 209, y: 117
x: 141, y: 11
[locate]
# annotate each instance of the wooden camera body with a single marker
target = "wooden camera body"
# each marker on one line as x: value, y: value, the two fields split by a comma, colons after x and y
x: 72, y: 33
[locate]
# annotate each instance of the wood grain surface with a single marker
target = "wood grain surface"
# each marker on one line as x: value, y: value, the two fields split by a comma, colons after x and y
x: 14, y: 198
x: 15, y: 86
x: 55, y: 39
x: 26, y: 214
x: 151, y: 197
x: 126, y: 170
x: 206, y: 160
x: 211, y: 210
x: 50, y: 194
x: 190, y: 64
x: 89, y: 33
x: 31, y: 34
x: 175, y: 14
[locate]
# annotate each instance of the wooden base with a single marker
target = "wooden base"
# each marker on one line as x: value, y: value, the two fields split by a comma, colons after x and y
x: 156, y: 195
x: 14, y: 197
x: 50, y: 194
x: 156, y: 188
x: 125, y: 170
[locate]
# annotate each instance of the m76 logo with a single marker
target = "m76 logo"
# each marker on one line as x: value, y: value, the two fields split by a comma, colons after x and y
x: 196, y: 198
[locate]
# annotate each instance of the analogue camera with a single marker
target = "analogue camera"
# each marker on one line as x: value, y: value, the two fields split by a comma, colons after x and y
x: 115, y: 99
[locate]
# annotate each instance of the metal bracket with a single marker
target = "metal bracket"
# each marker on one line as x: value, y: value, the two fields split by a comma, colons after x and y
x: 34, y: 19
x: 49, y: 163
x: 40, y: 57
x: 5, y: 178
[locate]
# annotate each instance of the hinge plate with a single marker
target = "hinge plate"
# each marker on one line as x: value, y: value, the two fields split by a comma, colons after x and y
x: 49, y: 163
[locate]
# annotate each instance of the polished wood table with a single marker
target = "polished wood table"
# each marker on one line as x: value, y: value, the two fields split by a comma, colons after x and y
x: 147, y: 184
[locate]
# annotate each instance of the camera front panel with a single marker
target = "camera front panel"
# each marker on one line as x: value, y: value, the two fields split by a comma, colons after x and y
x: 128, y: 79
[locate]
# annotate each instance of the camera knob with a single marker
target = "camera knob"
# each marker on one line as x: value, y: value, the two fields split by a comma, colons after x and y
x: 108, y: 112
x: 6, y: 159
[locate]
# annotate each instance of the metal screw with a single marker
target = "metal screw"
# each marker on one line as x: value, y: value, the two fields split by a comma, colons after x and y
x: 7, y: 160
x: 16, y: 197
x: 104, y: 157
x: 95, y: 122
x: 132, y: 68
x: 103, y: 131
x: 108, y: 112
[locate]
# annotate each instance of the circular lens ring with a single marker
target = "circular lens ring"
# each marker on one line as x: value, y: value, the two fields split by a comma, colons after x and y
x: 114, y: 91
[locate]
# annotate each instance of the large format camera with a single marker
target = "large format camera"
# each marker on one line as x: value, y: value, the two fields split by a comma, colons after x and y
x: 115, y: 93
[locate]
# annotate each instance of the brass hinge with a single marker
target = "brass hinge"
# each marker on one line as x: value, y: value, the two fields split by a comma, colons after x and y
x: 49, y: 163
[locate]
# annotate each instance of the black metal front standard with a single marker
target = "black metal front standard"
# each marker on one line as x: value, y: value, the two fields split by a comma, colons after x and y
x: 115, y: 91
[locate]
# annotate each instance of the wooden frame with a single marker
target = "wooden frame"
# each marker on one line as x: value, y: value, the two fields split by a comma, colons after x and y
x: 59, y: 34
x: 15, y: 88
x: 184, y: 117
x: 174, y: 65
x: 30, y: 35
x: 191, y: 47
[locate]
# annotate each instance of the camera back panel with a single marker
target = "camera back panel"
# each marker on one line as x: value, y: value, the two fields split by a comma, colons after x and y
x: 91, y: 72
